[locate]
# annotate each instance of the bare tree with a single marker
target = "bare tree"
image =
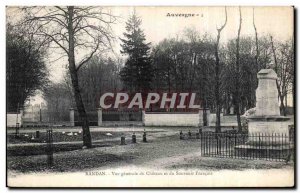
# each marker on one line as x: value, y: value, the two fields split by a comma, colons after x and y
x: 75, y: 31
x: 192, y: 36
x: 254, y: 79
x: 256, y: 43
x: 292, y: 70
x: 217, y: 77
x: 284, y: 68
x: 237, y: 94
x: 276, y: 70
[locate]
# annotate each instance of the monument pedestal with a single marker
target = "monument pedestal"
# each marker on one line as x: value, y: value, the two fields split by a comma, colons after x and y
x: 281, y: 152
x: 268, y: 126
x: 269, y: 137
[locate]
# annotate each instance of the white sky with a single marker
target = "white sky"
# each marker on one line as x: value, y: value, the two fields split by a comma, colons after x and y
x: 277, y: 21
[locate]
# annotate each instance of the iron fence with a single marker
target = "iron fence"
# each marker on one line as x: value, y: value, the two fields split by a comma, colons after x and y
x: 275, y: 147
x: 122, y: 116
x: 92, y: 116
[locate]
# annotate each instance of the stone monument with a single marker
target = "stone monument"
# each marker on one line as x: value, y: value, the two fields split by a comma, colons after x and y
x: 266, y: 118
x: 268, y: 130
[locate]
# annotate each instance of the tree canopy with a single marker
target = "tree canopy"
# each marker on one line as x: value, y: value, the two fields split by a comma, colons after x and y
x: 26, y: 71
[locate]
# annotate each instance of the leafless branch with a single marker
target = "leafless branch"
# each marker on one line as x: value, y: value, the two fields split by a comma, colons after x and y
x: 89, y: 57
x: 55, y: 40
x: 222, y: 27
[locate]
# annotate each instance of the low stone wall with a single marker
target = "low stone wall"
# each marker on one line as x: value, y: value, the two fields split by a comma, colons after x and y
x: 46, y: 124
x: 11, y: 119
x: 227, y: 120
x: 121, y: 123
x: 172, y: 119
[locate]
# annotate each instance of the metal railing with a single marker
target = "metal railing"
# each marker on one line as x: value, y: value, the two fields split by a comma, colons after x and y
x: 274, y: 147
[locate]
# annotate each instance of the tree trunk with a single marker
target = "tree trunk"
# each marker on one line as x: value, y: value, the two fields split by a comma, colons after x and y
x: 217, y: 78
x: 280, y: 93
x: 217, y: 86
x: 255, y: 80
x: 204, y: 116
x: 237, y: 77
x: 204, y: 90
x: 285, y: 100
x: 282, y: 107
x: 87, y: 141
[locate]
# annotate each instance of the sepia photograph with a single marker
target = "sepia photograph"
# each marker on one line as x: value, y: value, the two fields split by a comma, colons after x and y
x: 150, y: 96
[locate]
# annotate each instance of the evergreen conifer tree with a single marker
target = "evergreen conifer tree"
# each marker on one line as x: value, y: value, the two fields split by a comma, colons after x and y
x: 138, y: 72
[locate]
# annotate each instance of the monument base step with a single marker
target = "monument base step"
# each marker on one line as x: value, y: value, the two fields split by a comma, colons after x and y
x: 282, y: 152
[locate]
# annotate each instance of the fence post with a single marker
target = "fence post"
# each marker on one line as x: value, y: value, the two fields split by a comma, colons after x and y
x: 133, y: 138
x: 37, y: 134
x: 17, y: 134
x: 143, y: 116
x: 207, y: 116
x: 217, y: 138
x: 72, y: 120
x: 201, y: 121
x: 235, y: 139
x: 200, y: 131
x: 180, y: 135
x: 144, y: 137
x: 49, y: 148
x: 21, y: 110
x: 99, y: 110
x: 123, y: 139
x: 190, y: 134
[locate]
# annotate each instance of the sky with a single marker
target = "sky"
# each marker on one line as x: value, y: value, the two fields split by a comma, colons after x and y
x: 157, y: 25
x: 277, y: 21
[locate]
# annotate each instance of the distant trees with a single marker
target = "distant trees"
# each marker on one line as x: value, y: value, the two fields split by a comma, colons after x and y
x: 173, y: 63
x: 59, y: 100
x: 185, y: 65
x: 100, y: 75
x: 26, y: 71
x: 189, y: 64
x: 283, y: 57
x: 137, y: 72
x: 248, y: 71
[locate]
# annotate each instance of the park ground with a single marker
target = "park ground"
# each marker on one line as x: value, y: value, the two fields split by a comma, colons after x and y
x: 163, y: 151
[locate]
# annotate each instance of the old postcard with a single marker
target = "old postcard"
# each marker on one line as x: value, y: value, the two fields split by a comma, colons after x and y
x: 150, y: 96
